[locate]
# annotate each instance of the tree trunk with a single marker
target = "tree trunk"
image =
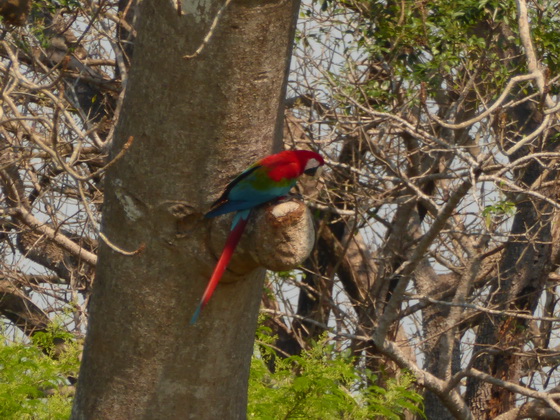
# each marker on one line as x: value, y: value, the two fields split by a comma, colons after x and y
x: 195, y: 123
x: 525, y: 266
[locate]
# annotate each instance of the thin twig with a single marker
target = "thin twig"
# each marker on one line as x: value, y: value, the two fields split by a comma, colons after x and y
x: 101, y: 235
x: 210, y: 32
x: 115, y: 248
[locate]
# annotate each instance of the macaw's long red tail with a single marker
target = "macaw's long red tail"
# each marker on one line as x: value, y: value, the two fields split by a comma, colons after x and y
x: 238, y: 226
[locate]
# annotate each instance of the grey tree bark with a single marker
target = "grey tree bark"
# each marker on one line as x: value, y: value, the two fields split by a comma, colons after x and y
x: 195, y: 123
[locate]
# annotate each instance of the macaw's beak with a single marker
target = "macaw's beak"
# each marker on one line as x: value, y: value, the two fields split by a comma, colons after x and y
x: 314, y: 172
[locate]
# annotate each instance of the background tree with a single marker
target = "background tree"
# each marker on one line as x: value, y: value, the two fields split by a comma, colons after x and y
x: 438, y: 231
x: 437, y: 221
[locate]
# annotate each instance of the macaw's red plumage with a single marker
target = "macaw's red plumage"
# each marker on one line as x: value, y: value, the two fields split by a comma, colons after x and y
x: 268, y: 179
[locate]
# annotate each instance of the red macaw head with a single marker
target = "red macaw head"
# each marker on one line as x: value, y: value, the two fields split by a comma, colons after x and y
x: 310, y: 161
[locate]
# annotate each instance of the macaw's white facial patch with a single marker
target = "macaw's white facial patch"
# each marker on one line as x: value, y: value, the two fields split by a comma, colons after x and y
x: 312, y: 164
x: 313, y: 167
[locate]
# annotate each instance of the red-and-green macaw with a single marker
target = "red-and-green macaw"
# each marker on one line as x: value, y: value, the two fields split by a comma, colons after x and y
x: 268, y: 179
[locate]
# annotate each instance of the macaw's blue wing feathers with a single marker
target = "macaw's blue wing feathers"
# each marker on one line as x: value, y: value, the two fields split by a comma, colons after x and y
x: 249, y: 190
x: 237, y: 228
x: 229, y: 206
x: 221, y: 205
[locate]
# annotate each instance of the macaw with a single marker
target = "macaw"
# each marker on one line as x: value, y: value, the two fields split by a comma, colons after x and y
x: 268, y: 179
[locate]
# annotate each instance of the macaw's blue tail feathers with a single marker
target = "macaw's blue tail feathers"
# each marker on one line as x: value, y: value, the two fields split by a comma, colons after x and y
x: 237, y: 227
x: 240, y: 216
x: 196, y: 314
